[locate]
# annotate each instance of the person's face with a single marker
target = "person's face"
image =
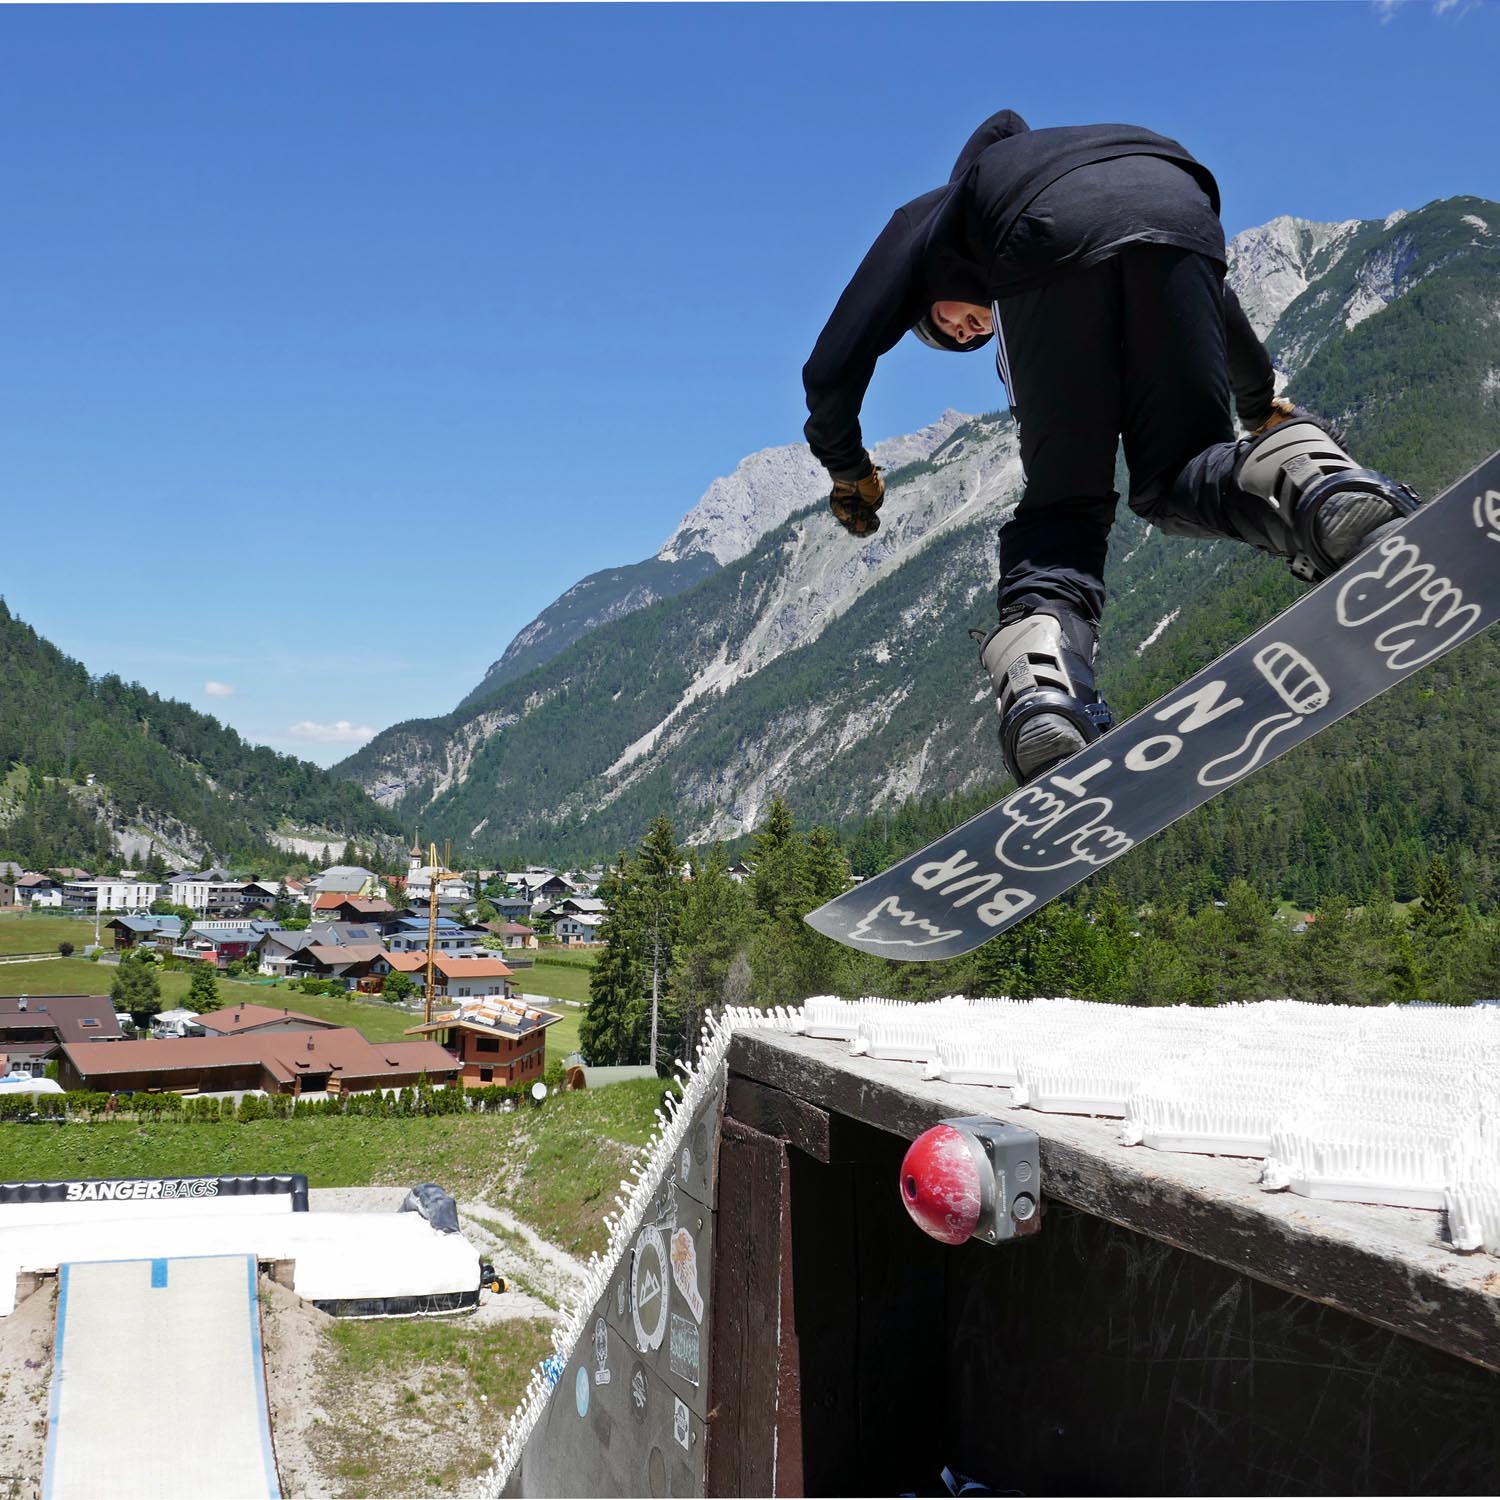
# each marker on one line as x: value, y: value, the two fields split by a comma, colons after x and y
x: 962, y: 321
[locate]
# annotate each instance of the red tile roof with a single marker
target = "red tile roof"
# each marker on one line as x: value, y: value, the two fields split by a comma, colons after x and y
x: 450, y: 966
x: 285, y: 1055
x: 235, y: 1020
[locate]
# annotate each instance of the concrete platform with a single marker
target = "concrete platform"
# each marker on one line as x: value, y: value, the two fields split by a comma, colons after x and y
x: 194, y: 1325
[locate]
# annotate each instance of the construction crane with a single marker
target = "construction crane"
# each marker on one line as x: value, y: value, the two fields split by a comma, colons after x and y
x: 440, y: 873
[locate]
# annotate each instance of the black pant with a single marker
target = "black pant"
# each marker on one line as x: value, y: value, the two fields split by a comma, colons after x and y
x: 1130, y: 347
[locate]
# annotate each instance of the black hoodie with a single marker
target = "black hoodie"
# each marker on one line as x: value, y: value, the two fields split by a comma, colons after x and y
x: 952, y: 244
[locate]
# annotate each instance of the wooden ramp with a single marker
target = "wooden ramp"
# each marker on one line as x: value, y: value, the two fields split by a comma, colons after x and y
x: 195, y: 1428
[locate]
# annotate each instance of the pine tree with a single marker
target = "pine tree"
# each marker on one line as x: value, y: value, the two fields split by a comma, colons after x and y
x: 713, y: 930
x: 827, y: 871
x: 203, y: 989
x: 659, y: 868
x: 1439, y: 926
x: 611, y: 1031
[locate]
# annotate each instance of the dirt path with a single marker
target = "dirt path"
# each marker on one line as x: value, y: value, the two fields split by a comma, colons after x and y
x: 294, y: 1337
x: 25, y: 1381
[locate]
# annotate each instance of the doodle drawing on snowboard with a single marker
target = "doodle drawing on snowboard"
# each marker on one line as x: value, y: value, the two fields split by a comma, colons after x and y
x: 1406, y: 601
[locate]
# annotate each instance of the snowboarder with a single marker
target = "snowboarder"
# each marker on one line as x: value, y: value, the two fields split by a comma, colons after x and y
x: 1094, y: 256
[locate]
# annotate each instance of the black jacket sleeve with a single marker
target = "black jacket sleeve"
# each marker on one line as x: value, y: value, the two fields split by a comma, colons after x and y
x: 880, y: 303
x: 1251, y: 376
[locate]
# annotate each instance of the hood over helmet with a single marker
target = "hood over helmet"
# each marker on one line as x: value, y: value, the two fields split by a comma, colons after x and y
x: 999, y: 127
x: 949, y: 275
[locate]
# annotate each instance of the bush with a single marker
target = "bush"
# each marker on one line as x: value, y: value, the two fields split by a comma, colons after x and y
x: 65, y: 948
x: 398, y: 987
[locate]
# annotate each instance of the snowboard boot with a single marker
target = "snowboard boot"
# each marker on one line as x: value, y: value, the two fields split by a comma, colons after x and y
x: 1040, y: 659
x: 1334, y: 508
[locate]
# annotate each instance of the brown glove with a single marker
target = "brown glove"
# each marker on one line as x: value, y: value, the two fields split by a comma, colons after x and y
x: 854, y: 501
x: 1282, y: 410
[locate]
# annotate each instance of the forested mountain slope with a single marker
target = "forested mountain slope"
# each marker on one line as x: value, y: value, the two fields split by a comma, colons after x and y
x: 164, y: 774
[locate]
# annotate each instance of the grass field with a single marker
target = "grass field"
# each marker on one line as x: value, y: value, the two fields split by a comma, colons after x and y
x: 557, y: 1167
x: 41, y: 932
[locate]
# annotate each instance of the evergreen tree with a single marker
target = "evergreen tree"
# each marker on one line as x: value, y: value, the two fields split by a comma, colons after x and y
x: 712, y: 932
x: 659, y: 870
x: 283, y: 908
x: 1439, y: 926
x: 1328, y: 969
x: 826, y: 868
x: 779, y: 884
x: 203, y: 989
x: 611, y: 1032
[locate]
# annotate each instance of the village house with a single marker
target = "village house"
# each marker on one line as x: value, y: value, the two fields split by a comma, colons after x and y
x: 359, y: 965
x: 455, y: 977
x: 7, y: 889
x: 132, y: 932
x: 513, y: 934
x: 259, y: 894
x: 572, y: 932
x: 554, y: 888
x: 346, y: 880
x: 409, y: 935
x: 336, y: 1060
x: 241, y: 1020
x: 452, y: 890
x: 281, y: 950
x: 33, y: 1028
x: 493, y: 1041
x: 39, y: 891
x: 576, y: 906
x: 224, y: 943
x: 511, y: 908
x: 335, y: 906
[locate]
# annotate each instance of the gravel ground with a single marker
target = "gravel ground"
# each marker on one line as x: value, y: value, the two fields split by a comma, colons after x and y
x: 293, y: 1336
x: 25, y: 1381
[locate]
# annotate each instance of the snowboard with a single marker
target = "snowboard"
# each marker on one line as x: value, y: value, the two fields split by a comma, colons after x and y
x: 1392, y: 610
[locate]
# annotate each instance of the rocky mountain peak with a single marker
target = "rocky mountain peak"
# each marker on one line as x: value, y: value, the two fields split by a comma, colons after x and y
x: 1271, y: 265
x: 737, y: 509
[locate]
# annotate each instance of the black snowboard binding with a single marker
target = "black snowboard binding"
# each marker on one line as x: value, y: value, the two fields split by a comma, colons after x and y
x: 1334, y: 508
x: 1040, y: 659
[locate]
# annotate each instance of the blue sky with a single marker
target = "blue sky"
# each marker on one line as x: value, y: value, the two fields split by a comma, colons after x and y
x: 339, y: 340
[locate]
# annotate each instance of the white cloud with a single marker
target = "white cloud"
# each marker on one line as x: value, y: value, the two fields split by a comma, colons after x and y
x: 1385, y: 10
x: 341, y: 733
x: 218, y: 689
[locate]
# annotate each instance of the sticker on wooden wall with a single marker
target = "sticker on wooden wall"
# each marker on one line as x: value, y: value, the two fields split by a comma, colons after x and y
x: 681, y: 1424
x: 640, y: 1395
x: 601, y: 1352
x: 685, y: 1349
x: 648, y: 1289
x: 581, y: 1392
x: 685, y: 1271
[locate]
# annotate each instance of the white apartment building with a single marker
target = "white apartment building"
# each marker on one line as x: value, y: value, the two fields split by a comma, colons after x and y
x: 110, y: 893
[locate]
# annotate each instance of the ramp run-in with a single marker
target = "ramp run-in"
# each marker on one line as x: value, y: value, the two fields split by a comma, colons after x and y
x: 194, y: 1323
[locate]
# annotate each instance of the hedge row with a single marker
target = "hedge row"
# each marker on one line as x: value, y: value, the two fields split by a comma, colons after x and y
x: 392, y: 1104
